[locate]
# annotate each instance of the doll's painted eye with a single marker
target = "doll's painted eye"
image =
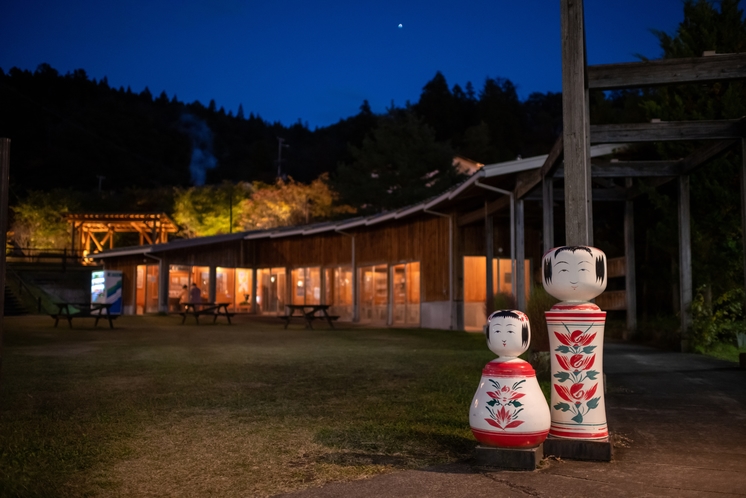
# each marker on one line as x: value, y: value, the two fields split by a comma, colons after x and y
x: 562, y: 271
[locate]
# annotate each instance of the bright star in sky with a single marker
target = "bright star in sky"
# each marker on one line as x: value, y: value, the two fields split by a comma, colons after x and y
x: 401, y: 26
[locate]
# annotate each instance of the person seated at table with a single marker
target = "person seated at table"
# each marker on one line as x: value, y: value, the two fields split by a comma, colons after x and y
x: 184, y: 296
x: 195, y: 295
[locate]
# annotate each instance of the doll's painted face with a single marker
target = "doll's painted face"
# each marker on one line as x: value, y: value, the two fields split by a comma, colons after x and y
x: 576, y: 273
x: 508, y: 333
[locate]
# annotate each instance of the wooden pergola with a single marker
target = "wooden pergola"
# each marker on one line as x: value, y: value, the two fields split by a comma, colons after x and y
x: 94, y: 232
x: 585, y: 180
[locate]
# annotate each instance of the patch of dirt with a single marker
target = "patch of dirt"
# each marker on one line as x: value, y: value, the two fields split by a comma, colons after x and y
x: 214, y: 453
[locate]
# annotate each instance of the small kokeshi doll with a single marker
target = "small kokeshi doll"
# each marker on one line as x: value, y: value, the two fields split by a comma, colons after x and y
x: 575, y: 275
x: 509, y: 410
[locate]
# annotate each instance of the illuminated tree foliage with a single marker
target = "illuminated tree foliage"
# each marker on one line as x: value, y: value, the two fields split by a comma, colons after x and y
x: 206, y: 210
x: 39, y: 220
x: 202, y: 211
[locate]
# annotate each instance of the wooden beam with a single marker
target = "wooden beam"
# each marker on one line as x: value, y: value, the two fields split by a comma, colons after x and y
x: 666, y: 71
x: 528, y: 180
x: 636, y: 169
x: 685, y: 263
x: 478, y: 214
x: 599, y: 195
x: 668, y: 131
x: 704, y: 154
x: 630, y: 282
x: 689, y: 164
x: 575, y: 131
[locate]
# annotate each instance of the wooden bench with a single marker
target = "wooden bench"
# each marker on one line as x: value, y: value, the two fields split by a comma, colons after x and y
x: 211, y: 309
x: 308, y: 313
x: 84, y: 310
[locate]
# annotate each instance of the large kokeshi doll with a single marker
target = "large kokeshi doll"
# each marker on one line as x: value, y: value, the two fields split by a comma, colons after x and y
x: 509, y: 410
x: 575, y: 275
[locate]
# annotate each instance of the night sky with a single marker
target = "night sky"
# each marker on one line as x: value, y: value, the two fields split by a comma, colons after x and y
x: 317, y: 61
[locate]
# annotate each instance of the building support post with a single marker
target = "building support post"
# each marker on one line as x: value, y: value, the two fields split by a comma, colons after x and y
x: 685, y: 262
x: 212, y: 290
x: 519, y: 277
x: 576, y: 127
x: 547, y: 204
x: 489, y: 245
x: 630, y: 281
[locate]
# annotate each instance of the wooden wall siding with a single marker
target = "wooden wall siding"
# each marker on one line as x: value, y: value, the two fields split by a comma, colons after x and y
x: 612, y: 300
x: 227, y: 254
x: 327, y: 249
x: 472, y: 239
x: 422, y: 238
x: 615, y: 267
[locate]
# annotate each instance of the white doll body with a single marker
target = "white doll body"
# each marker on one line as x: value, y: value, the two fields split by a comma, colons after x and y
x: 509, y: 410
x: 576, y: 275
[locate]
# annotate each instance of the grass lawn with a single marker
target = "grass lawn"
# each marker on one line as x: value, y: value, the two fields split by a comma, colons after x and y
x: 159, y: 408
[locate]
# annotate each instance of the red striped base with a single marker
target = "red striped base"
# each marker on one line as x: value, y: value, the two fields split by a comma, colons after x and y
x: 600, y: 434
x: 510, y: 440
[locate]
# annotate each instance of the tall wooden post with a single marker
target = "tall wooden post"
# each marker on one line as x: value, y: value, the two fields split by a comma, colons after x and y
x: 630, y: 283
x: 520, y: 258
x: 212, y: 289
x: 489, y: 245
x: 547, y: 202
x: 4, y: 190
x: 685, y: 262
x: 743, y: 211
x: 576, y: 126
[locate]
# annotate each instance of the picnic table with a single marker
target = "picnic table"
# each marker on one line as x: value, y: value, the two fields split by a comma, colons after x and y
x: 68, y: 311
x: 308, y: 313
x: 211, y: 309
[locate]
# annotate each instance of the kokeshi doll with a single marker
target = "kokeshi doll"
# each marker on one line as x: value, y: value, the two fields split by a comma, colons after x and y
x: 509, y: 410
x: 575, y: 275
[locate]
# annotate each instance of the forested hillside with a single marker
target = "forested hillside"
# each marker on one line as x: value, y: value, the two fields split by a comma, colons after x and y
x: 67, y: 130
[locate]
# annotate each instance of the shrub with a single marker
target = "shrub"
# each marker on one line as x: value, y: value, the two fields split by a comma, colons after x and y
x: 717, y: 322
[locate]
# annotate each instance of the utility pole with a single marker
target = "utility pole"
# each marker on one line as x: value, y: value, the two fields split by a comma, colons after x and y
x: 280, y: 145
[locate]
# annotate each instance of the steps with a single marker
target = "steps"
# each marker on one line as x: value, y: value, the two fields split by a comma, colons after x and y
x: 13, y: 306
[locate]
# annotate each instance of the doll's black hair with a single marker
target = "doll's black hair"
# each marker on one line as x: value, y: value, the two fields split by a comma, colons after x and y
x: 600, y: 265
x: 508, y: 314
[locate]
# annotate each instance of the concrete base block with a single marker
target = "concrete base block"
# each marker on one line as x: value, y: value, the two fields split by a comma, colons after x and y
x: 508, y: 458
x: 578, y: 449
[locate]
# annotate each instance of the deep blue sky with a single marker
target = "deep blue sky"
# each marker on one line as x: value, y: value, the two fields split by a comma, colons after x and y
x: 317, y: 61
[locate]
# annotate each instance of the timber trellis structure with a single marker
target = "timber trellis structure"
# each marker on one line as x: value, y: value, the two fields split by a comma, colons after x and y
x: 94, y: 232
x: 579, y: 174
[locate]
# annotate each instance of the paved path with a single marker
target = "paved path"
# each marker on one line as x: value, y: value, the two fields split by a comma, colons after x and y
x: 679, y: 423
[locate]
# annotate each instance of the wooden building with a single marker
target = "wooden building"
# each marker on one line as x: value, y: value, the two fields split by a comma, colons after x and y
x: 423, y: 265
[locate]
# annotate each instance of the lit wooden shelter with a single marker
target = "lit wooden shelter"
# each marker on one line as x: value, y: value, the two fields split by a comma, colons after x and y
x: 94, y: 232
